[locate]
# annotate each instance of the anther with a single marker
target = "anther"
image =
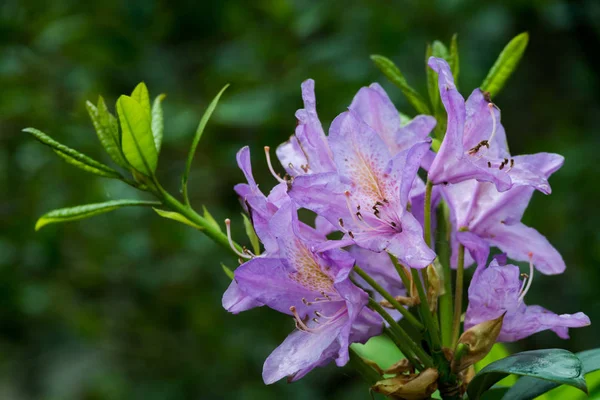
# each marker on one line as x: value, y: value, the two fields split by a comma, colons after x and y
x: 299, y: 323
x: 306, y: 303
x: 489, y: 164
x: 268, y: 156
x: 351, y: 234
x: 235, y: 250
x: 341, y: 221
x: 512, y: 162
x: 501, y: 166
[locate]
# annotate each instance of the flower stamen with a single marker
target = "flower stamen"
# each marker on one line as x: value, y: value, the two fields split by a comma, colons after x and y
x: 235, y: 250
x: 524, y: 291
x: 268, y: 157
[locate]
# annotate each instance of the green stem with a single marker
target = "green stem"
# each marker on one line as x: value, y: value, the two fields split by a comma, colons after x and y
x: 460, y: 270
x: 445, y: 301
x: 405, y: 313
x: 403, y: 341
x: 209, y: 230
x: 427, y: 213
x: 402, y: 272
x: 426, y: 312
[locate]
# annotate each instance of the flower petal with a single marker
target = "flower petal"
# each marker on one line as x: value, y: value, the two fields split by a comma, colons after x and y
x: 235, y: 300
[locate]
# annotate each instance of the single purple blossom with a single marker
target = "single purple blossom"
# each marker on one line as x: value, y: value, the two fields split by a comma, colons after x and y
x: 314, y: 288
x: 475, y: 143
x: 368, y: 195
x: 478, y: 209
x: 498, y: 289
x: 306, y: 151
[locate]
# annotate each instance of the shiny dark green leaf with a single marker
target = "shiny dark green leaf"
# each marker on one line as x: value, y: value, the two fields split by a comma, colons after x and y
x: 74, y: 157
x: 391, y: 71
x: 505, y: 64
x: 529, y: 387
x: 555, y: 365
x: 86, y: 211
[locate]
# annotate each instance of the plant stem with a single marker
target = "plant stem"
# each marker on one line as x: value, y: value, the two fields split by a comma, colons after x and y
x: 402, y: 272
x: 445, y: 301
x: 208, y: 229
x: 460, y: 271
x: 426, y: 313
x: 405, y: 313
x: 403, y: 341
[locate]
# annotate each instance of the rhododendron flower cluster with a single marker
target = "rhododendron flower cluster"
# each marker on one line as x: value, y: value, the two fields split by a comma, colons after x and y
x: 362, y: 181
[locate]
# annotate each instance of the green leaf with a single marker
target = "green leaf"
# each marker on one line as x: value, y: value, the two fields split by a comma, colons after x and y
x: 227, y: 271
x: 440, y: 50
x: 505, y: 64
x: 74, y: 157
x: 86, y: 211
x: 175, y: 216
x: 210, y: 219
x: 107, y: 130
x: 454, y: 58
x: 141, y: 95
x: 197, y: 137
x: 379, y: 349
x: 498, y: 352
x: 251, y: 234
x: 137, y: 142
x: 555, y: 365
x: 530, y: 388
x: 391, y: 71
x: 158, y: 125
x: 432, y: 81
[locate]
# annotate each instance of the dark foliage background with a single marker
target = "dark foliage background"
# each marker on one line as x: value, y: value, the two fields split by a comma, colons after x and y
x: 127, y: 305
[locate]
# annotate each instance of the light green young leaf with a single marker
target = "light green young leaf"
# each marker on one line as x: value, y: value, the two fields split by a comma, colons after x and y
x: 440, y: 50
x: 505, y: 64
x: 157, y: 121
x: 175, y: 216
x: 107, y: 130
x: 210, y: 219
x: 251, y: 234
x: 137, y: 142
x: 86, y: 211
x: 227, y: 271
x: 454, y: 58
x: 141, y: 95
x: 391, y: 71
x: 74, y: 157
x: 379, y: 349
x: 197, y: 137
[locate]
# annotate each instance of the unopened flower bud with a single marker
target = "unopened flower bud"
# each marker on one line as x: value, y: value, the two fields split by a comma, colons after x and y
x: 409, y: 387
x: 475, y: 343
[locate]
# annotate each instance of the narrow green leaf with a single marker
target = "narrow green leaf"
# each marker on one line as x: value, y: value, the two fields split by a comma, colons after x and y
x: 454, y: 58
x: 210, y: 219
x: 432, y: 81
x: 107, y: 130
x: 74, y: 157
x: 141, y: 95
x: 197, y: 137
x: 391, y: 71
x: 227, y: 271
x: 157, y: 121
x: 529, y: 387
x: 251, y: 234
x: 505, y: 64
x: 137, y: 142
x: 440, y: 50
x: 86, y: 211
x: 175, y: 216
x: 555, y: 365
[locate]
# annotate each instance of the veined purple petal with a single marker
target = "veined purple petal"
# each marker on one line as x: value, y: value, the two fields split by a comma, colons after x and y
x: 236, y: 301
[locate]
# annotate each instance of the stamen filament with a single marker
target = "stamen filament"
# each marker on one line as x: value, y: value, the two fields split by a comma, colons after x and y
x: 236, y: 251
x: 531, y: 269
x: 268, y: 156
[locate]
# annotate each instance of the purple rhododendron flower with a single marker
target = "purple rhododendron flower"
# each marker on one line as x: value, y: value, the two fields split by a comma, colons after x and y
x: 498, y: 289
x: 478, y: 209
x: 329, y: 310
x: 368, y: 195
x: 306, y: 152
x: 475, y: 143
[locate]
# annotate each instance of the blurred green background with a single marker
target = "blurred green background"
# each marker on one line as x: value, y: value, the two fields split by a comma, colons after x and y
x: 128, y: 305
